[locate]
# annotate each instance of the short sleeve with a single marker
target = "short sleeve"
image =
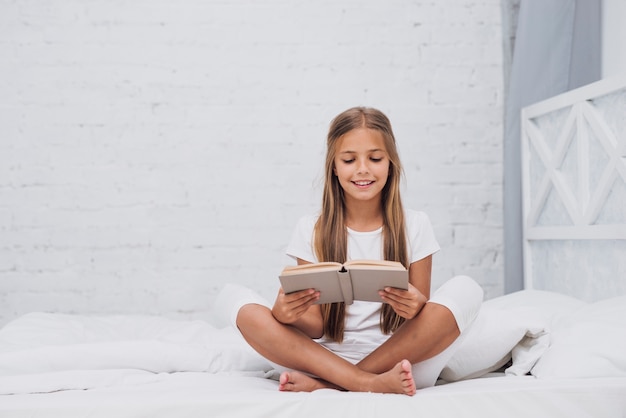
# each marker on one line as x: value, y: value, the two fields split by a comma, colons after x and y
x: 422, y: 241
x: 301, y: 244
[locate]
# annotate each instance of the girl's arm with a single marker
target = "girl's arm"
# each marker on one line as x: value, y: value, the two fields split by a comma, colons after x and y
x: 419, y: 275
x: 297, y: 309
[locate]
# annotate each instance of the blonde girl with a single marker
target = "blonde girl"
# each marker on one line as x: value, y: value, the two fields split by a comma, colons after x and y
x: 394, y: 347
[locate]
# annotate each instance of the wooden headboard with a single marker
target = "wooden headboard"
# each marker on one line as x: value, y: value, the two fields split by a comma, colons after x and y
x: 574, y: 191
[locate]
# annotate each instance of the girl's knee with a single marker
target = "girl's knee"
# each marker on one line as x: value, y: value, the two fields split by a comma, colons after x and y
x: 252, y: 314
x: 231, y: 299
x: 471, y: 291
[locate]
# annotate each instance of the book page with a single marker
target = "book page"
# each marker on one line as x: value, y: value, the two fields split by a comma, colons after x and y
x: 374, y: 265
x: 304, y: 268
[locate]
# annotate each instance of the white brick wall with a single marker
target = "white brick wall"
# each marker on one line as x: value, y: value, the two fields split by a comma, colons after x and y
x: 151, y: 151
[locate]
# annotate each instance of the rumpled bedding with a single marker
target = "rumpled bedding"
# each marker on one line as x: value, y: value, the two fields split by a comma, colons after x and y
x: 45, y: 352
x: 531, y: 332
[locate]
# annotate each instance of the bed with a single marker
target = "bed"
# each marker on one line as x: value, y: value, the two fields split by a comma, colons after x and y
x: 557, y: 348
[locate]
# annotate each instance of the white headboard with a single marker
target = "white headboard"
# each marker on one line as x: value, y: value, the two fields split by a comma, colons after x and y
x: 574, y: 191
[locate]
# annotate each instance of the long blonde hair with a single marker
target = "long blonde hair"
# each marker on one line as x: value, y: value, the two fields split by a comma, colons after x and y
x: 330, y: 240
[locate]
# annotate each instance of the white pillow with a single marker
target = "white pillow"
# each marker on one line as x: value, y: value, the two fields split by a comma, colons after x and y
x: 548, y: 305
x: 590, y: 342
x: 488, y: 343
x: 512, y: 326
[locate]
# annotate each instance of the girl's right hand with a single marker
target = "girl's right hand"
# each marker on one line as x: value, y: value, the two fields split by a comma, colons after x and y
x: 288, y: 308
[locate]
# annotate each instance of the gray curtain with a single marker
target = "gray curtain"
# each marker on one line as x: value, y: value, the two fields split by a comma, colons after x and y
x: 557, y: 48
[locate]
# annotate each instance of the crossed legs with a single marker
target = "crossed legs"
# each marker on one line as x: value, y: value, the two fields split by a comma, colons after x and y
x: 386, y: 370
x: 426, y: 342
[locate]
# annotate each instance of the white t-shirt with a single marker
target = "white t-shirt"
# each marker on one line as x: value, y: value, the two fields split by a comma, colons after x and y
x: 362, y: 332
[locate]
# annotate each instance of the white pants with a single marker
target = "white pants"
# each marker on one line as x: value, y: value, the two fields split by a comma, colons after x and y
x: 461, y: 295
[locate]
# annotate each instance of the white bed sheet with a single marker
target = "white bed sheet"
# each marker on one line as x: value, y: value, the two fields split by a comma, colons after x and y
x: 190, y: 394
x: 55, y: 365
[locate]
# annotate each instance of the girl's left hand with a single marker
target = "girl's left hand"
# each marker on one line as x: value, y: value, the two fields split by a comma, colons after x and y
x: 406, y: 303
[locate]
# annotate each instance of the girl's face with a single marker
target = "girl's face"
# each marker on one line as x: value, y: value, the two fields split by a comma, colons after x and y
x: 362, y: 164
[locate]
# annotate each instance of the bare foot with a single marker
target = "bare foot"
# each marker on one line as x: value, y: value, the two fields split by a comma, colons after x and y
x: 397, y: 380
x: 294, y: 381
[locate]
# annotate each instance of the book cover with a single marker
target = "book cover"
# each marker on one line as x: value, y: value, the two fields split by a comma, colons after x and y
x: 354, y: 280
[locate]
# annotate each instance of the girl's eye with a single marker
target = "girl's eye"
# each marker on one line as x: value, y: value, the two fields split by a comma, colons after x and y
x: 376, y: 159
x: 350, y: 161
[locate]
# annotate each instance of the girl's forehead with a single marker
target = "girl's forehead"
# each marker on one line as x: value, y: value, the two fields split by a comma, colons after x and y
x: 361, y: 139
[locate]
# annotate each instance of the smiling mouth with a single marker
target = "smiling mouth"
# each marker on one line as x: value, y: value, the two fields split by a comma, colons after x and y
x: 363, y: 183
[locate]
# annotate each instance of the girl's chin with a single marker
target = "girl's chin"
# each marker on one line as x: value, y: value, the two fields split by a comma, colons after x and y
x: 363, y: 197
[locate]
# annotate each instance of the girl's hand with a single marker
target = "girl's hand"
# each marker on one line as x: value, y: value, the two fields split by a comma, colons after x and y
x: 406, y: 303
x: 289, y: 308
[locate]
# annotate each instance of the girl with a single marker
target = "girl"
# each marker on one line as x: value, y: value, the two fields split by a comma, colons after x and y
x: 393, y: 347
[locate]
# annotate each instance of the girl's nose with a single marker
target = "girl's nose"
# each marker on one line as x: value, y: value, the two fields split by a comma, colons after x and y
x: 362, y: 167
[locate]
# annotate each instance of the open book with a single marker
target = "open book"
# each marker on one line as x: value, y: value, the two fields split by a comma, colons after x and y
x: 353, y: 280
